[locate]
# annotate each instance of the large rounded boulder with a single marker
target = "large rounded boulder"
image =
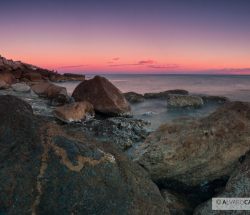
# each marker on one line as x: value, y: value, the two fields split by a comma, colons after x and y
x: 105, y: 97
x: 47, y: 170
x: 193, y: 152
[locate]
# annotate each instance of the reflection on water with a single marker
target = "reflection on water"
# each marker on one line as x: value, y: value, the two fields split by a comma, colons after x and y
x: 157, y: 113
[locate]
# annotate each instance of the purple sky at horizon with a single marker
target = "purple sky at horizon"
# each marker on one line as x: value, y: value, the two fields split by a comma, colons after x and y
x: 140, y: 36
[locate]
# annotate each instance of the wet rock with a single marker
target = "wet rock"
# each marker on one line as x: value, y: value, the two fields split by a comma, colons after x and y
x: 21, y: 87
x: 164, y: 94
x: 48, y: 170
x: 177, y: 204
x: 183, y: 101
x: 74, y: 112
x: 3, y: 85
x: 238, y: 186
x: 105, y: 97
x: 133, y: 97
x: 194, y: 152
x: 121, y: 132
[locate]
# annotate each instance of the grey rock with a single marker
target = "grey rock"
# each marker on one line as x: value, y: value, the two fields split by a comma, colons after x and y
x: 165, y: 94
x: 192, y: 152
x: 121, y: 132
x: 21, y: 87
x: 183, y: 101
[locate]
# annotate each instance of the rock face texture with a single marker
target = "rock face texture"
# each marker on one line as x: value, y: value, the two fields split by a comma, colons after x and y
x: 47, y: 170
x: 133, y: 97
x: 32, y: 76
x: 176, y: 203
x: 74, y: 112
x: 122, y: 132
x: 21, y: 87
x: 164, y: 94
x: 182, y: 101
x: 238, y: 186
x: 104, y: 96
x: 3, y: 85
x: 8, y: 78
x: 196, y: 151
x: 58, y: 95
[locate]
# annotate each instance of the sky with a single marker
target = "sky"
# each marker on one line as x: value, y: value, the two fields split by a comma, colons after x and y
x: 128, y: 36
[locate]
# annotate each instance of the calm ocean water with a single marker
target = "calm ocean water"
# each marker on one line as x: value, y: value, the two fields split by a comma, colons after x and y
x: 155, y: 111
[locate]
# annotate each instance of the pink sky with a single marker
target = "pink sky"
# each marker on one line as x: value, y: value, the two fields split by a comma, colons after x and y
x: 128, y: 38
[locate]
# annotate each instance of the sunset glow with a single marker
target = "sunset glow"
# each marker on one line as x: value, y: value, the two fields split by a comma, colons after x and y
x: 128, y: 36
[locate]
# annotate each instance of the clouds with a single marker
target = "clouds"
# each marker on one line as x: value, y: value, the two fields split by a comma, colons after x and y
x: 143, y: 62
x: 148, y: 63
x: 72, y: 66
x: 167, y: 66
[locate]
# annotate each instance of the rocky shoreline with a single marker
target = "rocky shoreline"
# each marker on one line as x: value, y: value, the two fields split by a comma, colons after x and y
x: 72, y: 155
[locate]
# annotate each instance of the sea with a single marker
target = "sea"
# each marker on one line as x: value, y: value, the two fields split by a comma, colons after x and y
x: 235, y: 87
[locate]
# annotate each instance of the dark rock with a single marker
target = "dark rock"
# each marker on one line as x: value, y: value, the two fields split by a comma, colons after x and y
x: 17, y: 73
x: 121, y: 132
x: 177, y: 204
x: 133, y: 97
x: 105, y: 97
x: 198, y: 151
x: 164, y: 94
x: 238, y: 186
x: 214, y: 99
x: 47, y: 170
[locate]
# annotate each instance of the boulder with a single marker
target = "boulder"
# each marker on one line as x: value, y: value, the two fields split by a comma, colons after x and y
x: 177, y: 204
x: 182, y: 101
x: 7, y: 77
x: 133, y: 97
x: 164, y: 94
x: 58, y: 95
x: 105, y: 97
x: 3, y: 85
x: 48, y: 170
x: 214, y: 99
x: 74, y: 112
x: 193, y: 152
x: 238, y: 186
x: 32, y: 76
x: 122, y: 132
x: 21, y: 87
